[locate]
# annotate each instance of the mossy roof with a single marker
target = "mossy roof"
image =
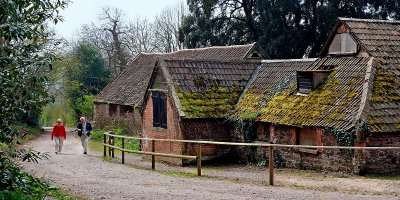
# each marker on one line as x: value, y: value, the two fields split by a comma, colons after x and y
x: 334, y: 103
x: 129, y: 87
x: 381, y: 39
x: 271, y: 77
x: 208, y: 89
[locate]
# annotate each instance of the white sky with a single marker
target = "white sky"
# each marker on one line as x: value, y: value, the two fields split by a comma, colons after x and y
x: 81, y: 12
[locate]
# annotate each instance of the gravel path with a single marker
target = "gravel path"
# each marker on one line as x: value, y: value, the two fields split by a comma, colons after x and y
x: 91, y: 177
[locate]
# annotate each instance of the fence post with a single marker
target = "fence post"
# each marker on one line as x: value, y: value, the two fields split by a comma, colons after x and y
x: 123, y: 152
x: 109, y: 148
x: 113, y: 143
x: 271, y: 165
x: 105, y: 148
x: 153, y: 157
x: 199, y: 160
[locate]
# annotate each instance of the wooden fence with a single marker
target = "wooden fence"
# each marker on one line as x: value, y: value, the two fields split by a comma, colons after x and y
x: 110, y: 143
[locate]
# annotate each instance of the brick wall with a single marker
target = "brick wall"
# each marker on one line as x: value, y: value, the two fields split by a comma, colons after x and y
x: 381, y: 161
x: 206, y: 129
x: 100, y: 109
x: 323, y: 159
x: 212, y: 129
x: 171, y: 132
x: 122, y: 116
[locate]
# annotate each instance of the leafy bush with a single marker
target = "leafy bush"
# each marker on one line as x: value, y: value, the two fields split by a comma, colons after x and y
x: 14, y: 195
x: 17, y: 184
x: 58, y: 110
x: 85, y: 105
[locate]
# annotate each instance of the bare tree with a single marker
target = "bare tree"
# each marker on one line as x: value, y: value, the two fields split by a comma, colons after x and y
x: 120, y: 39
x: 166, y: 28
x: 109, y: 37
x: 116, y: 29
x: 139, y: 37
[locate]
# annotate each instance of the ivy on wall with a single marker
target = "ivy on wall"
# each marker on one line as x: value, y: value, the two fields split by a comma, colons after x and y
x: 348, y: 137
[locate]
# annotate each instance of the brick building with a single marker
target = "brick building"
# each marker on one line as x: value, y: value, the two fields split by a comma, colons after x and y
x: 349, y: 96
x: 125, y: 95
x: 190, y: 99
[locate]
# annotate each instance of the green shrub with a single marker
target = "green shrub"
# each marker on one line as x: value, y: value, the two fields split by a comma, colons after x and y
x: 58, y: 110
x: 17, y: 183
x: 14, y: 195
x: 85, y: 105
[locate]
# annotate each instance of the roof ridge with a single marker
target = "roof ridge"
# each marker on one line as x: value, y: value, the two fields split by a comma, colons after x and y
x: 289, y: 60
x: 208, y: 60
x: 213, y: 47
x: 369, y: 20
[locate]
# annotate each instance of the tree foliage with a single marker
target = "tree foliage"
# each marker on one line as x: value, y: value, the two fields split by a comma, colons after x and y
x: 23, y: 55
x: 284, y: 28
x: 85, y: 75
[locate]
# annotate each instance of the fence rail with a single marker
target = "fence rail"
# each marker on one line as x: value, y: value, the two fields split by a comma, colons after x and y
x: 112, y: 147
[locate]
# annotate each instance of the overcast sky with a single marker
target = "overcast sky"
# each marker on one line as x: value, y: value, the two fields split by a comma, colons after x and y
x: 81, y: 12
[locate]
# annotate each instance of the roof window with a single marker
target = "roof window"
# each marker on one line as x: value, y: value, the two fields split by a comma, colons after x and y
x: 343, y: 44
x: 308, y: 80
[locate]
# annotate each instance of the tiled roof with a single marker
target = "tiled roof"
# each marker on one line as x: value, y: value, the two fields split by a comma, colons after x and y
x: 235, y: 52
x: 129, y: 87
x: 268, y: 77
x: 208, y: 89
x: 381, y: 39
x: 335, y: 103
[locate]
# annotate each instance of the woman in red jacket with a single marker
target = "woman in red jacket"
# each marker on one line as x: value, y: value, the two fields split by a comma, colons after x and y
x: 59, y: 135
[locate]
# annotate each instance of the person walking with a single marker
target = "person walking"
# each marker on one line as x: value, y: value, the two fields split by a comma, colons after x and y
x: 84, y: 129
x: 59, y: 135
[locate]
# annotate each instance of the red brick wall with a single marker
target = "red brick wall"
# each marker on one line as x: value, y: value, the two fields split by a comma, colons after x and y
x: 206, y: 129
x: 171, y: 132
x: 122, y: 113
x: 381, y: 161
x: 324, y: 159
x: 331, y: 160
x: 216, y: 130
x: 100, y: 109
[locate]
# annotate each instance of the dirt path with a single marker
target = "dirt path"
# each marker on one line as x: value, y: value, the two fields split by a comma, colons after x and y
x: 93, y: 178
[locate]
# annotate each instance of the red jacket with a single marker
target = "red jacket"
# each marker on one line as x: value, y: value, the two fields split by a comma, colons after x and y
x: 58, y: 131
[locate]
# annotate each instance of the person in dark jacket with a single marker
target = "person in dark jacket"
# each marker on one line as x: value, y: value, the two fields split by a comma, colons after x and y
x: 58, y: 134
x: 84, y: 129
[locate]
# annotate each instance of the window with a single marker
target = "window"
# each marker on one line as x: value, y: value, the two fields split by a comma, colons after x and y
x: 308, y: 136
x: 309, y: 80
x: 112, y: 110
x: 343, y: 44
x: 124, y: 110
x: 159, y: 109
x: 304, y: 82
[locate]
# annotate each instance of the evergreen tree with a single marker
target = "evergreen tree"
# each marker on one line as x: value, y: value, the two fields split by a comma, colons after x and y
x: 284, y: 28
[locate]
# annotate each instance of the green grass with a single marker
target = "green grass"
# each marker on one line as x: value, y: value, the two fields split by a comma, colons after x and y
x: 96, y: 146
x: 61, y: 195
x: 390, y: 177
x: 96, y: 141
x: 180, y: 174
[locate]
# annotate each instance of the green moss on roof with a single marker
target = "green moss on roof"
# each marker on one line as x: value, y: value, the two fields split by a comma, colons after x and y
x: 247, y: 107
x: 325, y: 105
x: 253, y: 100
x: 214, y: 102
x: 386, y: 86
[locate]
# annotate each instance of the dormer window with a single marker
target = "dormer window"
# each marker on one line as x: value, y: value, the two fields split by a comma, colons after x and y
x: 343, y: 44
x: 310, y: 79
x: 254, y: 55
